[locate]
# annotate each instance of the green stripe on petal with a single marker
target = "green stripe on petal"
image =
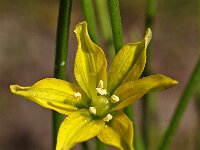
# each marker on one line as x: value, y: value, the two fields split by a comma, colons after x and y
x: 53, y: 94
x: 76, y: 128
x: 90, y: 63
x: 134, y: 90
x: 118, y: 133
x: 129, y: 63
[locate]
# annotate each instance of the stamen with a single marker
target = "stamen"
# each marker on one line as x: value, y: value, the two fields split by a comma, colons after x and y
x: 77, y: 95
x: 100, y: 85
x: 114, y: 99
x: 101, y: 91
x: 108, y: 118
x: 93, y: 110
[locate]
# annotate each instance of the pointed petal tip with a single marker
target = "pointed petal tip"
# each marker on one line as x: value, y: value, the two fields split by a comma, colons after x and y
x: 80, y: 26
x: 14, y: 88
x: 170, y: 82
x: 18, y: 90
x: 174, y: 82
x: 148, y: 36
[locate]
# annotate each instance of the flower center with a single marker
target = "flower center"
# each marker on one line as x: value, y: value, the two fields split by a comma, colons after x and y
x: 101, y: 105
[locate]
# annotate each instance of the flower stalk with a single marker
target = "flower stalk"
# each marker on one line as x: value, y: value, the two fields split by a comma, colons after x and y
x: 116, y: 24
x: 61, y: 54
x: 89, y: 15
x: 148, y: 103
x: 197, y: 135
x: 197, y: 95
x: 105, y: 25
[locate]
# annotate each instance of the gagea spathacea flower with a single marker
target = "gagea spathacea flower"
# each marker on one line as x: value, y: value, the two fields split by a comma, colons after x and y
x: 92, y: 107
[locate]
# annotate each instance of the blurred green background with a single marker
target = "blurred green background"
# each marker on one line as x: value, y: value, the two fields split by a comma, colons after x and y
x: 27, y: 49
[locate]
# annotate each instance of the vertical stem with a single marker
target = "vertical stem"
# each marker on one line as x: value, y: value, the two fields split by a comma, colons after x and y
x: 150, y: 13
x: 149, y: 122
x: 118, y: 44
x: 89, y: 14
x: 149, y: 23
x: 84, y: 146
x: 100, y: 145
x: 129, y: 111
x: 61, y: 54
x: 145, y: 121
x: 116, y: 24
x: 180, y: 109
x: 197, y: 95
x: 148, y: 110
x: 104, y: 19
x: 197, y: 104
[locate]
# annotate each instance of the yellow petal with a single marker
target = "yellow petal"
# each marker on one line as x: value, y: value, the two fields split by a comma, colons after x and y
x: 76, y: 128
x: 119, y: 133
x: 53, y: 94
x: 90, y: 62
x: 129, y: 63
x: 134, y: 90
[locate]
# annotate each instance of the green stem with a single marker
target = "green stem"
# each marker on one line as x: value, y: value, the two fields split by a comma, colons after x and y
x: 149, y: 23
x: 180, y: 109
x: 100, y: 145
x: 84, y: 146
x: 149, y: 122
x: 148, y: 107
x: 118, y: 44
x: 197, y: 95
x: 105, y: 24
x: 89, y: 14
x: 116, y: 24
x: 150, y: 13
x: 197, y: 104
x: 129, y: 111
x: 61, y: 54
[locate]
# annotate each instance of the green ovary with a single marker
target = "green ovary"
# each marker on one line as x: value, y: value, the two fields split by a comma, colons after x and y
x: 102, y: 105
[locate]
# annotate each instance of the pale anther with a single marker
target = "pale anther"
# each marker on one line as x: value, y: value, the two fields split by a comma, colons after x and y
x: 100, y: 85
x: 101, y: 91
x: 108, y: 118
x: 93, y: 110
x: 114, y: 99
x: 77, y: 95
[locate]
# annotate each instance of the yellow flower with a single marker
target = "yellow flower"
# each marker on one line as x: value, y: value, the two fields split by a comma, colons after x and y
x: 92, y: 105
